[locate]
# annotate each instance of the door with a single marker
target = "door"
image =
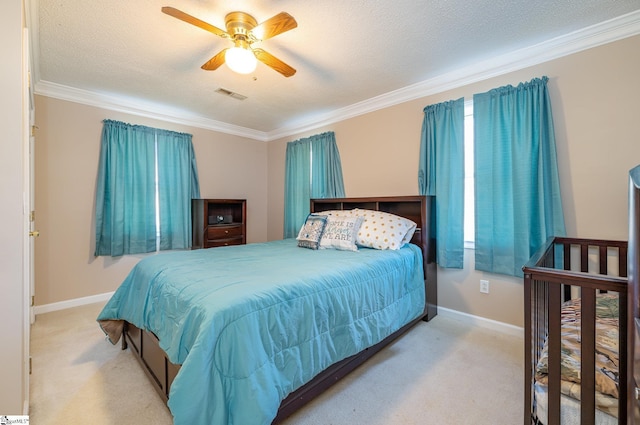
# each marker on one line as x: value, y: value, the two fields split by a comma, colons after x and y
x: 30, y: 208
x: 28, y: 212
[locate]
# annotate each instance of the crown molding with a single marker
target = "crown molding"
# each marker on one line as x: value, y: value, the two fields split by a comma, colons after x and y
x: 605, y: 32
x: 143, y: 109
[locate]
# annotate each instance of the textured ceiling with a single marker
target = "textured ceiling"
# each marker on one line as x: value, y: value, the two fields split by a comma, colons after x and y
x: 345, y: 51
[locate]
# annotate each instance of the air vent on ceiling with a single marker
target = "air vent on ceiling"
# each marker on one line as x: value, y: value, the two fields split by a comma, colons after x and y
x: 231, y: 94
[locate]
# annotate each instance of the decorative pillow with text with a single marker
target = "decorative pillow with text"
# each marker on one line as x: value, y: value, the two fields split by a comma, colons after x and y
x: 340, y: 233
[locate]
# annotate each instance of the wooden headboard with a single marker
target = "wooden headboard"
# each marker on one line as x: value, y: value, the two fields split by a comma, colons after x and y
x: 416, y: 208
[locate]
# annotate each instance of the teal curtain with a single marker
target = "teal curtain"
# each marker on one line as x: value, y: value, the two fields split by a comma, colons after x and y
x: 441, y: 173
x: 126, y: 189
x: 517, y: 189
x: 326, y: 167
x: 297, y: 186
x: 177, y: 185
x: 312, y: 170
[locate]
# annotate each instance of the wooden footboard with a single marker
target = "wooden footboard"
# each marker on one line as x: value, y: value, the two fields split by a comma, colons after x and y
x: 146, y: 348
x: 563, y: 269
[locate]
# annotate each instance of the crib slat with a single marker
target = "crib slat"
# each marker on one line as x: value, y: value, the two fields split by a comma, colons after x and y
x: 566, y: 251
x: 603, y: 259
x: 553, y: 408
x: 625, y: 359
x: 567, y: 266
x: 584, y: 258
x: 529, y: 328
x: 587, y: 357
x: 622, y: 261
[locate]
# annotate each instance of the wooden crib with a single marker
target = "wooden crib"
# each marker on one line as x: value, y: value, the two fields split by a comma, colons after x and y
x: 554, y: 275
x: 566, y: 269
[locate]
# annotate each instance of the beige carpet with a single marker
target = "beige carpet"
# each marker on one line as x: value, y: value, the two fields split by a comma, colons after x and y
x: 441, y: 372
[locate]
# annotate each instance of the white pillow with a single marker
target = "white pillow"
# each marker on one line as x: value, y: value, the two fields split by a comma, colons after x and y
x: 340, y: 233
x: 382, y: 230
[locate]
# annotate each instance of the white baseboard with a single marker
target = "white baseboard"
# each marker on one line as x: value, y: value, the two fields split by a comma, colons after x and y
x: 77, y: 302
x: 482, y: 322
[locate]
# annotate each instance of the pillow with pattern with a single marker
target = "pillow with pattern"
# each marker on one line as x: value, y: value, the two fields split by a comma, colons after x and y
x: 382, y: 230
x: 311, y: 231
x: 340, y: 233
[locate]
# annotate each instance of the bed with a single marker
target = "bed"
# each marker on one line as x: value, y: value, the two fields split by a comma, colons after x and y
x: 223, y: 347
x: 581, y: 308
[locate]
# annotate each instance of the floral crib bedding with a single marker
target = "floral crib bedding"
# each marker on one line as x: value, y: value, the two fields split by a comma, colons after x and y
x: 606, y: 378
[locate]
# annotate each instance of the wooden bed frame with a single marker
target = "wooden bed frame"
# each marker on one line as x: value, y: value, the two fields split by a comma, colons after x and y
x: 161, y: 372
x: 561, y: 265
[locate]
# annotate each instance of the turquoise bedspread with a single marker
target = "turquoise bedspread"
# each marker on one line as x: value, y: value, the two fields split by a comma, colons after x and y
x: 252, y: 323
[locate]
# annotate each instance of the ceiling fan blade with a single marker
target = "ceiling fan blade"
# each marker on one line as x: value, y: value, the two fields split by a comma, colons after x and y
x: 273, y: 26
x: 194, y: 21
x: 215, y: 62
x: 275, y: 63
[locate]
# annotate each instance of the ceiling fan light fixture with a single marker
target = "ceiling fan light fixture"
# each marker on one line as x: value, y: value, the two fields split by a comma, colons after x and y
x: 243, y: 30
x: 241, y: 60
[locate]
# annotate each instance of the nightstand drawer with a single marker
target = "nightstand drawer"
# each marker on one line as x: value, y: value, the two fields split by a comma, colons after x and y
x: 224, y: 232
x: 224, y: 242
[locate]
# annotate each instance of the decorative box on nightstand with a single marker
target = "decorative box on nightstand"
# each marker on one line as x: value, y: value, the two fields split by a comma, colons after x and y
x: 218, y: 222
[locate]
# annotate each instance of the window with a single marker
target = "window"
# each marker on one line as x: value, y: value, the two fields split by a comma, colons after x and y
x: 441, y: 174
x: 517, y: 194
x: 513, y: 208
x: 146, y: 180
x: 318, y: 157
x: 469, y: 198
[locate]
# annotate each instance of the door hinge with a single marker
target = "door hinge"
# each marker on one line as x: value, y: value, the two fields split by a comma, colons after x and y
x: 32, y: 216
x: 29, y: 365
x: 33, y: 300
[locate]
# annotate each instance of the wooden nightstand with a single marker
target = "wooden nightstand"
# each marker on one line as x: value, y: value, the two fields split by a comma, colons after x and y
x: 218, y: 222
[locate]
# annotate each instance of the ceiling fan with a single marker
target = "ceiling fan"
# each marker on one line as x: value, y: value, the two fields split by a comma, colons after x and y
x: 243, y: 30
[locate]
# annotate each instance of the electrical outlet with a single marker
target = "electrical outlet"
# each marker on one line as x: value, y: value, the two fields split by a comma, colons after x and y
x: 484, y: 286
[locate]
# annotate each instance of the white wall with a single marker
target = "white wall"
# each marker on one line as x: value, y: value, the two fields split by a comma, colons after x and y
x: 12, y: 309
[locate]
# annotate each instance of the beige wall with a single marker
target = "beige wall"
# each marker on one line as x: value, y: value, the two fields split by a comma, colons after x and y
x: 594, y: 95
x: 67, y: 152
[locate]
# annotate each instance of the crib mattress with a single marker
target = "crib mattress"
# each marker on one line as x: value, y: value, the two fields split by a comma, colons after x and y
x: 570, y: 407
